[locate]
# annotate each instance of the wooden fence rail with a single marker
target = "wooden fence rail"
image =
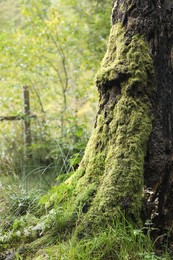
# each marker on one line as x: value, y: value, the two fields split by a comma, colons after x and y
x: 26, y: 119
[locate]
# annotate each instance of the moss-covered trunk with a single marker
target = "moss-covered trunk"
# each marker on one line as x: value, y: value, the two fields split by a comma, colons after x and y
x: 130, y: 147
x: 126, y: 168
x: 113, y: 164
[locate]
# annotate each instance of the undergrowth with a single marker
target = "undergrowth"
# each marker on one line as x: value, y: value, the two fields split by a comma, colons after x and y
x: 32, y: 229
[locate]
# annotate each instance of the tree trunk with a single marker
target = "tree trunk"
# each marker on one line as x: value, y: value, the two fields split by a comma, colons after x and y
x: 127, y: 166
x: 158, y: 167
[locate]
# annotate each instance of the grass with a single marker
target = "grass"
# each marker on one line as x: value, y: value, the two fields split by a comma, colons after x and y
x: 119, y: 241
x: 22, y: 221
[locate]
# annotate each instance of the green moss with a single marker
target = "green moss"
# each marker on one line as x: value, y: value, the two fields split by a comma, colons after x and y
x: 112, y: 63
x: 133, y: 60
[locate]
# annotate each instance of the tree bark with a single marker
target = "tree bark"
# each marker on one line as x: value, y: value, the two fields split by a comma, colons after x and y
x: 158, y: 171
x: 127, y: 166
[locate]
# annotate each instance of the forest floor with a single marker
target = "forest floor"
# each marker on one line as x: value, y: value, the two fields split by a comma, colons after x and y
x: 30, y: 231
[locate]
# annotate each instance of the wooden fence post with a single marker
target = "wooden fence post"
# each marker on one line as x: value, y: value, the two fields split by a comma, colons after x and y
x: 26, y: 122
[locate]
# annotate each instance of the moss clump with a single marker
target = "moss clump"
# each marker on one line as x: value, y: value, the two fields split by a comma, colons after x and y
x: 125, y: 61
x: 113, y: 63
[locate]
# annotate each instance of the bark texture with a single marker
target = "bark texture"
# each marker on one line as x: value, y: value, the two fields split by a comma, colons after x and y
x: 154, y: 20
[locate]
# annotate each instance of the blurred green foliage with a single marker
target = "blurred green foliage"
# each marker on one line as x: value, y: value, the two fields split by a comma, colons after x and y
x: 55, y: 48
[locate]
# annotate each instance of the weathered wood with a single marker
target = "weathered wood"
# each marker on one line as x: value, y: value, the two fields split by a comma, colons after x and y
x: 10, y: 118
x: 14, y: 118
x: 27, y: 121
